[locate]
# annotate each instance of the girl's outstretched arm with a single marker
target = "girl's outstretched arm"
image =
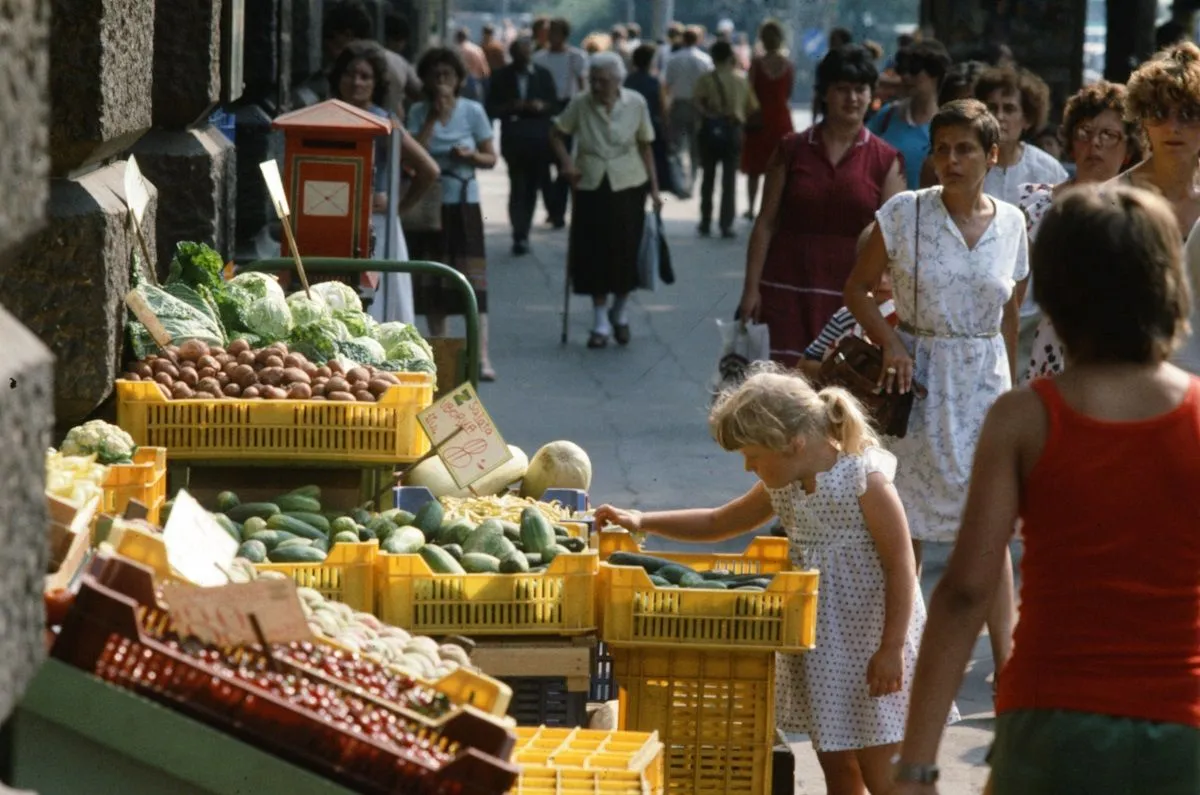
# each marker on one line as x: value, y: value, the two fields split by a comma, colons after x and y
x: 745, y: 513
x: 889, y: 528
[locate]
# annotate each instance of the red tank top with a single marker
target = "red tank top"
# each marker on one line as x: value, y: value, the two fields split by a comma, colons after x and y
x: 1110, y: 590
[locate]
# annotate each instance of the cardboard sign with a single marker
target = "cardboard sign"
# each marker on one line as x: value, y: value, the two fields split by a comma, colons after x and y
x: 270, y: 172
x: 142, y: 311
x: 197, y: 548
x: 137, y: 195
x: 464, y: 436
x: 225, y: 615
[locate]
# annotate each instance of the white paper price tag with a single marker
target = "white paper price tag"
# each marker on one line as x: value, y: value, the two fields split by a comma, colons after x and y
x: 197, y: 547
x: 137, y: 195
x: 270, y: 172
x: 464, y: 436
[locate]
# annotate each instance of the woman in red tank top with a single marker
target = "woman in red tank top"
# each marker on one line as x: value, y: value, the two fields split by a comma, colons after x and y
x: 1101, y: 465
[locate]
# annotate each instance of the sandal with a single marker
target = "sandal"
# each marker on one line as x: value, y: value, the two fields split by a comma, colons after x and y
x: 620, y: 330
x: 597, y: 340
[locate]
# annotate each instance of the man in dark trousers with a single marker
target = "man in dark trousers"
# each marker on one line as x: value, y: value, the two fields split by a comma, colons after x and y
x: 523, y: 96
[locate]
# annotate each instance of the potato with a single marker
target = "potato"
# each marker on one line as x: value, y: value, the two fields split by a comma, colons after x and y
x: 207, y: 372
x: 232, y: 390
x: 217, y: 350
x: 336, y: 384
x: 210, y: 386
x: 274, y: 361
x: 246, y: 357
x: 335, y: 367
x: 144, y: 370
x: 224, y: 359
x: 192, y: 350
x: 310, y: 370
x: 318, y: 390
x: 165, y: 366
x: 364, y: 396
x: 223, y: 379
x: 164, y: 378
x: 324, y: 372
x: 208, y: 361
x: 250, y: 392
x: 166, y: 391
x: 180, y: 390
x: 270, y: 376
x: 386, y: 376
x: 299, y: 391
x: 260, y: 357
x: 189, y: 376
x: 294, y: 375
x: 237, y: 347
x: 342, y: 396
x: 358, y: 374
x: 377, y: 386
x: 131, y: 377
x: 171, y: 352
x: 243, y: 375
x: 318, y: 397
x: 295, y: 360
x: 278, y: 348
x: 229, y: 366
x: 273, y: 393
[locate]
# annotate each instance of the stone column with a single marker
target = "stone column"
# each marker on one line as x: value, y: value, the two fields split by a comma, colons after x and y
x: 68, y: 282
x: 192, y: 163
x: 27, y: 368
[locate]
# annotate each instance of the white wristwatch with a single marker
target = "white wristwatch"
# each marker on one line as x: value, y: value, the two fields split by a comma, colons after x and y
x: 909, y: 773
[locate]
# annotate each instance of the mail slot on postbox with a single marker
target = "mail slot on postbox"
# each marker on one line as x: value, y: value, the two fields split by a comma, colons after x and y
x: 329, y: 154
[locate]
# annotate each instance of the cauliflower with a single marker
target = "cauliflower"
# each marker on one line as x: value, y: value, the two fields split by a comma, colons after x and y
x: 108, y: 443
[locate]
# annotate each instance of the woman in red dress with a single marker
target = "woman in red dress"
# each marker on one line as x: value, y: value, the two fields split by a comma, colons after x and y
x: 823, y: 187
x: 771, y: 78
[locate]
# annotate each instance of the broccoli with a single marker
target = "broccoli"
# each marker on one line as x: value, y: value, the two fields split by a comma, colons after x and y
x: 108, y: 443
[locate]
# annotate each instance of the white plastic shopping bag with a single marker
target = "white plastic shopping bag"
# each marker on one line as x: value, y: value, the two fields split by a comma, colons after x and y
x: 648, y: 253
x: 742, y: 344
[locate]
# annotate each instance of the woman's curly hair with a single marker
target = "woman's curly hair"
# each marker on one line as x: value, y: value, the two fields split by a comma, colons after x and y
x: 1169, y: 79
x: 1088, y: 103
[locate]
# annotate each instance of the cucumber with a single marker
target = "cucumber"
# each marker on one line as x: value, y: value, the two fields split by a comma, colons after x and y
x: 312, y: 491
x: 430, y: 517
x: 255, y: 524
x: 271, y: 538
x: 229, y: 526
x: 500, y: 547
x: 253, y: 551
x: 343, y: 524
x: 263, y: 510
x: 561, y: 531
x: 711, y: 585
x: 457, y: 532
x: 479, y: 563
x: 648, y: 562
x: 345, y: 537
x: 399, y: 517
x: 315, y: 519
x: 290, y: 503
x: 321, y: 544
x: 294, y: 542
x: 692, y: 579
x: 674, y: 573
x: 482, y: 535
x: 536, y: 531
x: 281, y: 521
x: 439, y: 560
x: 661, y: 582
x: 361, y: 515
x: 550, y: 553
x: 366, y: 534
x: 404, y: 541
x: 716, y: 574
x: 514, y: 564
x: 580, y: 545
x: 753, y: 588
x: 455, y: 551
x: 511, y: 531
x: 227, y: 500
x: 296, y: 554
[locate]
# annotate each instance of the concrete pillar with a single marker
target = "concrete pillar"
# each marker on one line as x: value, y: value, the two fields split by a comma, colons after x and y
x: 26, y: 369
x: 268, y: 54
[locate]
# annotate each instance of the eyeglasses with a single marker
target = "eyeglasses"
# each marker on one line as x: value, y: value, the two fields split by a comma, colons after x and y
x: 1186, y: 114
x: 1102, y: 138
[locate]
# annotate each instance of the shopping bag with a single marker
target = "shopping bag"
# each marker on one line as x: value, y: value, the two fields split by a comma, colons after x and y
x: 680, y: 186
x: 648, y: 253
x: 742, y: 344
x: 666, y: 273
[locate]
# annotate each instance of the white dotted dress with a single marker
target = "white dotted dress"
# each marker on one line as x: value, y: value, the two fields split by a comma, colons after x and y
x: 824, y: 692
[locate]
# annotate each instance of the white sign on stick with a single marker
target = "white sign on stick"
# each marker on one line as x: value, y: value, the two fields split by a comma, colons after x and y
x: 270, y: 172
x: 137, y: 194
x: 464, y: 436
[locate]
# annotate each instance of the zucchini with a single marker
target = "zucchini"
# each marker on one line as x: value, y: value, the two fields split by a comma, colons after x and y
x: 550, y: 553
x: 534, y: 559
x: 536, y: 531
x: 500, y: 547
x: 711, y: 585
x: 271, y: 538
x: 281, y: 521
x: 579, y: 545
x: 291, y: 503
x: 263, y: 510
x: 716, y: 574
x: 514, y: 563
x: 345, y: 537
x: 296, y: 554
x: 343, y: 524
x: 458, y: 532
x: 227, y: 500
x: 455, y: 551
x: 674, y: 573
x: 511, y: 531
x: 229, y: 526
x: 311, y: 491
x: 253, y: 551
x: 692, y: 579
x: 430, y: 517
x: 561, y: 531
x: 366, y: 534
x: 661, y: 582
x: 439, y: 560
x: 255, y: 524
x: 482, y: 536
x: 361, y: 515
x: 294, y: 542
x: 404, y: 541
x: 399, y: 517
x: 315, y: 519
x: 321, y: 544
x: 648, y: 562
x: 479, y: 563
x: 754, y: 588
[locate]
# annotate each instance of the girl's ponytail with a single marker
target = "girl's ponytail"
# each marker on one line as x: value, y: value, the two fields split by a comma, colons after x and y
x: 846, y: 420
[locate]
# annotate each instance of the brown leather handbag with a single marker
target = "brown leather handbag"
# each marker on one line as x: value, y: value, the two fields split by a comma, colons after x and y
x: 856, y: 365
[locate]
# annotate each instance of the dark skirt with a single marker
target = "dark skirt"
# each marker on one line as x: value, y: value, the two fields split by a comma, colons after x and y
x: 459, y: 245
x: 606, y: 232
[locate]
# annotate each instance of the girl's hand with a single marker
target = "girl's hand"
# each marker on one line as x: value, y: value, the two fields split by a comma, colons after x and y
x: 897, y: 372
x: 607, y: 514
x: 463, y: 153
x: 748, y: 309
x: 657, y: 200
x: 885, y: 672
x: 570, y: 174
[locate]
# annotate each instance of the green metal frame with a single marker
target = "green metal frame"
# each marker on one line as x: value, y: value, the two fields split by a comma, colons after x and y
x: 349, y: 266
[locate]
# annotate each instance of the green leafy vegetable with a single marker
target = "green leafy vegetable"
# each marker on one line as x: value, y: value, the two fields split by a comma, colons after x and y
x: 259, y: 285
x: 197, y: 265
x: 318, y: 341
x: 338, y: 296
x: 358, y: 323
x: 182, y: 320
x: 307, y: 310
x: 390, y: 335
x: 270, y: 319
x: 232, y: 303
x: 362, y: 350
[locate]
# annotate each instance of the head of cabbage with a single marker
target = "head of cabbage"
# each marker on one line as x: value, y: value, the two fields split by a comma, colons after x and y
x: 259, y: 285
x: 307, y: 310
x: 400, y: 339
x: 338, y: 296
x: 270, y: 319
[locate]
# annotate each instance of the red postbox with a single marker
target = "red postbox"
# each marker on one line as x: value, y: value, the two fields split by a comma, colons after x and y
x: 329, y: 154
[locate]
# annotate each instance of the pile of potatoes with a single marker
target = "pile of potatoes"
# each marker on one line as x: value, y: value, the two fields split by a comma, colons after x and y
x: 196, y: 370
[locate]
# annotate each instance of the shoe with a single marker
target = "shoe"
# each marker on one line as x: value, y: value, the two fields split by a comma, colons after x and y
x: 556, y: 223
x: 749, y: 215
x: 597, y: 340
x: 728, y: 234
x: 704, y: 231
x: 620, y: 330
x: 520, y: 248
x: 486, y: 374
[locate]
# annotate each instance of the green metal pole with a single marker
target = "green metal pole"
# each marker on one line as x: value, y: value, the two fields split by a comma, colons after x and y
x: 346, y: 265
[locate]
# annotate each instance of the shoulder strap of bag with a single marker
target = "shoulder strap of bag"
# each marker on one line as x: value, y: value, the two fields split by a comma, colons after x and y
x: 716, y: 76
x: 883, y: 128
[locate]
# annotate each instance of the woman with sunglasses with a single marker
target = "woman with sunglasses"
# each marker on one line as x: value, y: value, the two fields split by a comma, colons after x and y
x: 905, y: 123
x: 1101, y: 142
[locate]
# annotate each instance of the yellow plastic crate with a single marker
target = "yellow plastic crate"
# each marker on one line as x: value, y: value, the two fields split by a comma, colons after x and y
x: 347, y: 575
x: 714, y: 711
x: 636, y: 612
x: 558, y: 601
x: 566, y: 761
x: 145, y: 480
x: 385, y: 432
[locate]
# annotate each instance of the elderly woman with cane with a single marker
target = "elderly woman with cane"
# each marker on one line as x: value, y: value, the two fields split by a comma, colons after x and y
x: 611, y: 173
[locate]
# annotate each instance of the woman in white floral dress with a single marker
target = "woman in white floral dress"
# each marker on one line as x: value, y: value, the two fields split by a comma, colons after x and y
x: 1101, y: 143
x: 957, y: 257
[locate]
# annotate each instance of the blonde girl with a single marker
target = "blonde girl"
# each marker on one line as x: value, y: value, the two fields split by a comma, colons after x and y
x: 825, y: 476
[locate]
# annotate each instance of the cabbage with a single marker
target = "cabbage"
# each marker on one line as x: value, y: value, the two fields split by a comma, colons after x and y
x: 318, y: 341
x: 232, y: 302
x: 270, y: 319
x: 338, y: 296
x: 362, y: 350
x: 409, y: 351
x: 259, y: 285
x: 390, y: 335
x: 196, y: 265
x: 307, y: 310
x: 357, y: 322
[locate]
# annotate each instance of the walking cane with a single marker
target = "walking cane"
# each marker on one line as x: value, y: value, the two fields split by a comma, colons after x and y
x: 566, y: 313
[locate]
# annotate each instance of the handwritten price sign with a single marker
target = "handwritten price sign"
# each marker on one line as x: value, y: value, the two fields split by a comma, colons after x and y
x: 222, y: 615
x: 464, y: 436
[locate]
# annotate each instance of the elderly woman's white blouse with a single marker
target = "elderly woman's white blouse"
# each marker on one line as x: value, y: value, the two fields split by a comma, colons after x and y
x: 607, y: 141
